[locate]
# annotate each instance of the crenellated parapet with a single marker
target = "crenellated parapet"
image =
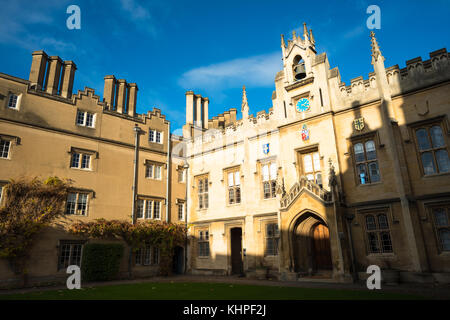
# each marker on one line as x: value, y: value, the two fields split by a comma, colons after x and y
x: 223, y: 120
x: 416, y: 74
x: 419, y: 73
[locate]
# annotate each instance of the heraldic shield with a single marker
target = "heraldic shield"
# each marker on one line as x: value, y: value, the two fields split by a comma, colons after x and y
x: 359, y: 124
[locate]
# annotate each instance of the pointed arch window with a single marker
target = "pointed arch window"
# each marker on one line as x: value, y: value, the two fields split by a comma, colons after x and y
x: 366, y: 162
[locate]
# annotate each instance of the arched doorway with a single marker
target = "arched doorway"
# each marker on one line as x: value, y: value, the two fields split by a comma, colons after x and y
x: 311, y: 251
x: 321, y: 247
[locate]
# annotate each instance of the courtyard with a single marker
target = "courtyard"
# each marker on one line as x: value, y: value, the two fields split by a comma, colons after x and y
x: 225, y: 288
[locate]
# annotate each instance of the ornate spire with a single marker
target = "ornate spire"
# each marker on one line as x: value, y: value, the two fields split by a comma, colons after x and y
x: 294, y: 36
x: 376, y: 52
x: 244, y: 101
x: 305, y: 30
x: 311, y: 37
x: 283, y: 45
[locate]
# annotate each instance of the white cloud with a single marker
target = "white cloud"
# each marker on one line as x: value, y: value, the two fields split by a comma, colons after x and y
x: 139, y: 15
x: 255, y: 71
x: 353, y: 33
x: 135, y: 10
x: 19, y: 20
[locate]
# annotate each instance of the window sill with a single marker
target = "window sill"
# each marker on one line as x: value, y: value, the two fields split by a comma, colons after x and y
x: 80, y: 169
x: 1, y: 158
x: 202, y: 257
x: 381, y: 255
x: 83, y: 126
x: 428, y: 176
x: 370, y: 184
x: 265, y: 199
x: 233, y: 204
x: 444, y: 254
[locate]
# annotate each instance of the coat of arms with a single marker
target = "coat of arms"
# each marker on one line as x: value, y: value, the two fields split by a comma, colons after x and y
x: 305, y: 133
x: 359, y: 123
x: 266, y: 148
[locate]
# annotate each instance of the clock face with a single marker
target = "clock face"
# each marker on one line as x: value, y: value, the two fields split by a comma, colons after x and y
x: 302, y: 105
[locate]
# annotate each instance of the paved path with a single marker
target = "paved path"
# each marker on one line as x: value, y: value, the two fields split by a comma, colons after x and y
x: 429, y: 291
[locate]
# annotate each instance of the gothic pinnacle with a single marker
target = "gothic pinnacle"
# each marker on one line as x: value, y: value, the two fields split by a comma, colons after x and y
x: 311, y: 37
x: 244, y: 99
x: 376, y: 52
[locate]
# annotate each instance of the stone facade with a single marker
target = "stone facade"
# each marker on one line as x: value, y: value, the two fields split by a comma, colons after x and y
x: 337, y: 168
x: 44, y: 128
x: 331, y: 179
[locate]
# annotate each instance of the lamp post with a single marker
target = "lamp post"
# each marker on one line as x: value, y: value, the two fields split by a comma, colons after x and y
x: 186, y: 168
x: 137, y: 132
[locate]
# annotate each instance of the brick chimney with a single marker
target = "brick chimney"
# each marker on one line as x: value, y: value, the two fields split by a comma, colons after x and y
x: 38, y: 66
x: 132, y: 98
x: 121, y: 95
x: 109, y: 91
x: 53, y: 74
x: 189, y: 107
x: 205, y: 112
x: 67, y: 78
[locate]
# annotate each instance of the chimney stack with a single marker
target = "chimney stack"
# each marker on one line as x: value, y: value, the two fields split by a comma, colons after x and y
x: 53, y: 74
x: 121, y: 95
x: 109, y: 91
x: 233, y: 112
x: 198, y: 113
x: 189, y: 107
x: 67, y: 79
x: 132, y: 96
x: 205, y: 112
x: 38, y: 66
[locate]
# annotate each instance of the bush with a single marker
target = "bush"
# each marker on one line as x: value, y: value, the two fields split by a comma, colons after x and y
x: 101, y: 261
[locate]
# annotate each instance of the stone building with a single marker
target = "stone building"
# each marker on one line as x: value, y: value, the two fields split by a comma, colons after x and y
x: 332, y: 179
x: 46, y: 130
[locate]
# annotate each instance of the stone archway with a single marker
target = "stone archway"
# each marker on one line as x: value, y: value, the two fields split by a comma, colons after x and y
x: 310, y: 243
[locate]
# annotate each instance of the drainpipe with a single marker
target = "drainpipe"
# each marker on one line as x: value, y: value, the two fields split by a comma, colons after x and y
x: 137, y: 132
x: 169, y: 169
x: 186, y: 168
x: 349, y: 219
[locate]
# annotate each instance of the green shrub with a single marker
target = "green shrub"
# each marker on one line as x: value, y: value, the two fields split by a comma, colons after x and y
x: 101, y: 261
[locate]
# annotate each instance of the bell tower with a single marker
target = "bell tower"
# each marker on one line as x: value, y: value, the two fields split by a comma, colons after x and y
x: 297, y: 55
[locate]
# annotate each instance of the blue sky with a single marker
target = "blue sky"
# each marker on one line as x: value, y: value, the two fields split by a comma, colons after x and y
x: 211, y: 47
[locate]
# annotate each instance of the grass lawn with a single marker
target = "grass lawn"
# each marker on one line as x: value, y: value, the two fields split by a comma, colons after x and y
x: 204, y: 291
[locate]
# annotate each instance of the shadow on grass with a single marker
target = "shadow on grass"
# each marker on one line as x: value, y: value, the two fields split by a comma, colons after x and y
x: 206, y: 291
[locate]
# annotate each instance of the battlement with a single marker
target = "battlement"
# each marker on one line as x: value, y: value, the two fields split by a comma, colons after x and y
x: 416, y: 74
x: 223, y: 120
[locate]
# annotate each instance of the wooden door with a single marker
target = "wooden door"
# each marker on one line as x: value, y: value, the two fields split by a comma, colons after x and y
x: 236, y: 251
x: 321, y: 244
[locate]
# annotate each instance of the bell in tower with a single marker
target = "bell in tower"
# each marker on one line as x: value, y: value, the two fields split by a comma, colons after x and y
x: 298, y: 68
